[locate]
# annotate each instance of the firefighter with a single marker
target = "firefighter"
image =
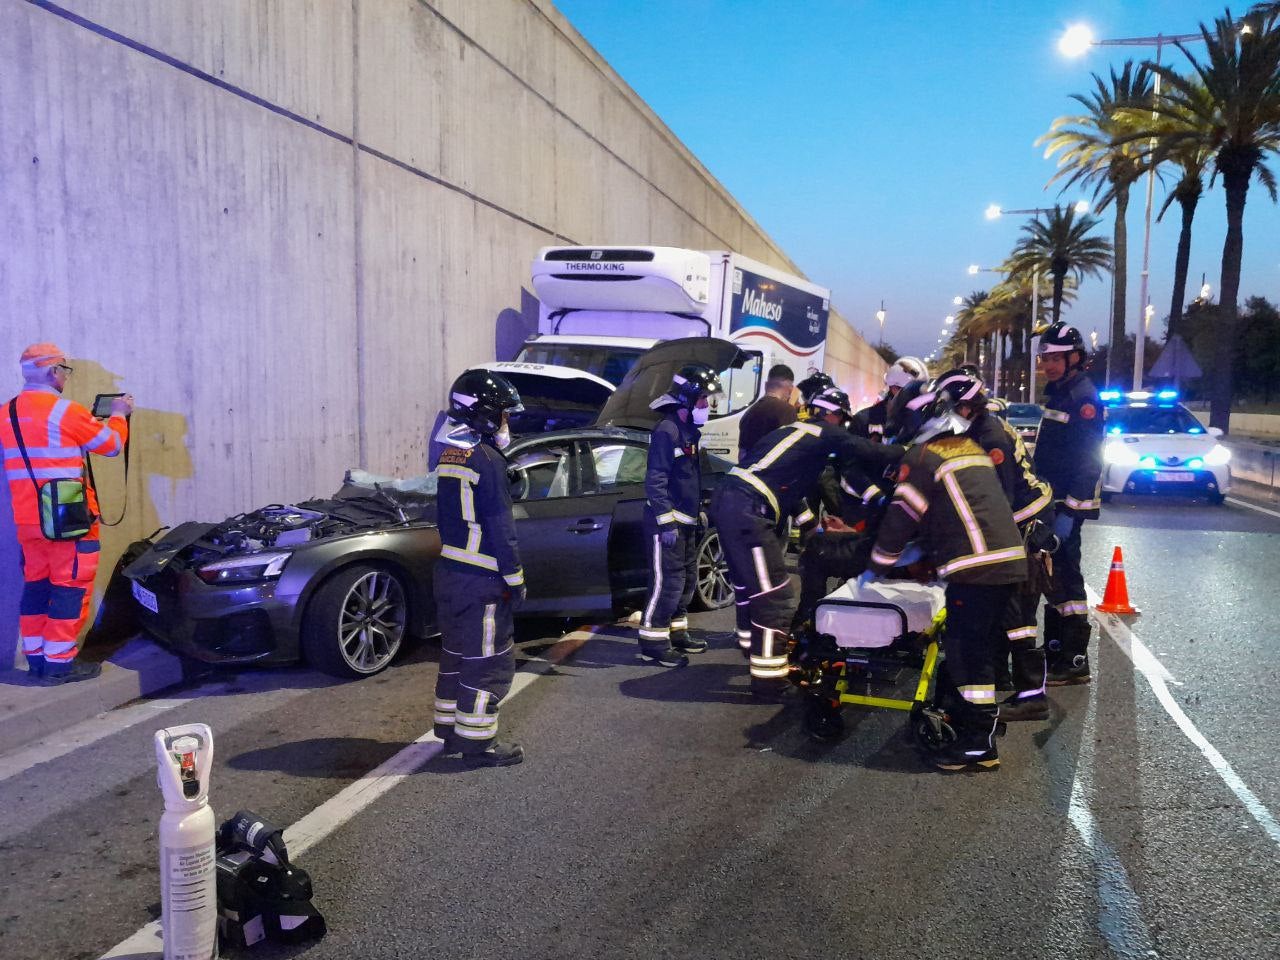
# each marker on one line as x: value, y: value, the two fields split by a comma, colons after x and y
x: 673, y: 504
x: 949, y: 498
x: 1031, y: 501
x: 1069, y: 457
x: 809, y: 388
x: 869, y: 422
x: 50, y: 441
x: 478, y: 579
x: 775, y: 483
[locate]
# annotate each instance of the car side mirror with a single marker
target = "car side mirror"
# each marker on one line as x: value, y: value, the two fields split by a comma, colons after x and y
x: 1215, y: 431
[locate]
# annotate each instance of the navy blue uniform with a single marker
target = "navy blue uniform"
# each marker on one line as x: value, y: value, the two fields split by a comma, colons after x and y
x: 478, y: 571
x: 778, y: 480
x: 1069, y: 458
x: 869, y: 421
x: 673, y: 501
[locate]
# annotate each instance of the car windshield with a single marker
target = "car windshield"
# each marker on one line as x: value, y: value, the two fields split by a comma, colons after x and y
x: 1024, y: 410
x: 1165, y: 420
x: 609, y: 363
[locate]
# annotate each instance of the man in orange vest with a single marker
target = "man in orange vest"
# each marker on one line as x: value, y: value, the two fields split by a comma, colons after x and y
x: 58, y: 574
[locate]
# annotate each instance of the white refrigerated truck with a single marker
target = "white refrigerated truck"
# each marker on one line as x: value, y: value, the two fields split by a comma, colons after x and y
x: 601, y: 307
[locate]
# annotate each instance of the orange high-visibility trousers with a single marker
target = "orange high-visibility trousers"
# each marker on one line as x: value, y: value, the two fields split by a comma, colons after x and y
x: 58, y: 577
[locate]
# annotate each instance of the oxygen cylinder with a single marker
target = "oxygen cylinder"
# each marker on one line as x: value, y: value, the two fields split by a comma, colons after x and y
x: 188, y: 878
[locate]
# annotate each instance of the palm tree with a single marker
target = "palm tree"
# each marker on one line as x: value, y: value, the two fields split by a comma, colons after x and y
x: 1059, y: 246
x: 968, y: 320
x: 1094, y: 150
x: 1238, y: 123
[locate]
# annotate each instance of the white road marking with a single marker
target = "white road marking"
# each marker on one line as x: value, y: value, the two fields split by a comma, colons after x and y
x: 146, y: 944
x: 1145, y: 661
x: 1120, y: 919
x: 1252, y: 506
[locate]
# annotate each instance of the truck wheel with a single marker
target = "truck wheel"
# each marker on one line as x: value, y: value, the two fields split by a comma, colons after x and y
x: 355, y: 623
x: 714, y: 590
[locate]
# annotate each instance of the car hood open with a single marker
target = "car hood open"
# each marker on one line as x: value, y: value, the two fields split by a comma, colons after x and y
x: 554, y: 398
x: 652, y: 373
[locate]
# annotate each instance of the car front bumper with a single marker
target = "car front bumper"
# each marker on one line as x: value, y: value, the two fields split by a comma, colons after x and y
x: 1213, y: 481
x: 240, y: 624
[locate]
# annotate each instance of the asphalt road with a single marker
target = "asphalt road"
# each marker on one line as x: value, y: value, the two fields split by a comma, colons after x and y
x: 665, y: 814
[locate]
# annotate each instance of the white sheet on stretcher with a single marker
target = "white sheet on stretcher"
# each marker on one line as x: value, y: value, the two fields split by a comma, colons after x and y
x: 876, y: 626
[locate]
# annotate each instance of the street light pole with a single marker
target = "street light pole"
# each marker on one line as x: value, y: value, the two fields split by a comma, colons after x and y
x: 880, y: 317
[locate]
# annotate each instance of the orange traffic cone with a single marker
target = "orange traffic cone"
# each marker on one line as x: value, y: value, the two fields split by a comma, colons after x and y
x: 1116, y: 598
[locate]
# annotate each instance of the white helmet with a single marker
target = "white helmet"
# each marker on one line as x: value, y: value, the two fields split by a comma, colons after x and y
x: 903, y: 370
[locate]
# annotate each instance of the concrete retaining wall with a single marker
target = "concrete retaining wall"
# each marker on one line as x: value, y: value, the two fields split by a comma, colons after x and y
x: 286, y: 226
x: 1247, y: 424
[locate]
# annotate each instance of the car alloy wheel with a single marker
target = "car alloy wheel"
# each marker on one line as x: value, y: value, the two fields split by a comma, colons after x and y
x: 714, y: 589
x: 371, y: 625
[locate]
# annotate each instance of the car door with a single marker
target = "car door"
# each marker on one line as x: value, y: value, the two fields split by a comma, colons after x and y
x: 564, y: 548
x: 613, y: 470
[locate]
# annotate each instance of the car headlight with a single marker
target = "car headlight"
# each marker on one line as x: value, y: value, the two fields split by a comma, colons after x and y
x: 244, y: 569
x: 1120, y: 454
x: 1218, y: 456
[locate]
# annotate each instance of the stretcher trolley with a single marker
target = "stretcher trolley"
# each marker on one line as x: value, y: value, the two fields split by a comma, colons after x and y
x: 866, y: 636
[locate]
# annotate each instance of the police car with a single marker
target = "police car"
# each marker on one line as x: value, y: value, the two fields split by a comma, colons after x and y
x: 1155, y: 445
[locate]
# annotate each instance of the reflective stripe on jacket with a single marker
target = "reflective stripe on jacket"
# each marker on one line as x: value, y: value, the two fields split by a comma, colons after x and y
x: 1029, y: 496
x: 57, y: 433
x: 948, y: 495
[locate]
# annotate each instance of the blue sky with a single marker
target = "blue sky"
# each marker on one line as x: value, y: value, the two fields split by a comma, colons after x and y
x: 867, y: 138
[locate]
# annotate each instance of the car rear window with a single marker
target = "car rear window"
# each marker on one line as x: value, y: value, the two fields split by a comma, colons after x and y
x: 1151, y: 420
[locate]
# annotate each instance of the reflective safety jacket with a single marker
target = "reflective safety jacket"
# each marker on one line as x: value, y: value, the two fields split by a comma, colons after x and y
x: 473, y: 512
x: 57, y: 433
x: 1069, y: 445
x: 673, y: 480
x: 784, y: 467
x: 869, y: 421
x: 1029, y: 496
x: 948, y: 496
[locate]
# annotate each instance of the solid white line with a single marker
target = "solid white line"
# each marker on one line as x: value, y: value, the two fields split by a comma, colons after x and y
x: 334, y: 812
x: 1145, y: 661
x: 1252, y: 506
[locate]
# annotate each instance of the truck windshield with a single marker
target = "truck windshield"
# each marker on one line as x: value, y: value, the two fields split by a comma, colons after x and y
x: 741, y: 387
x: 609, y: 363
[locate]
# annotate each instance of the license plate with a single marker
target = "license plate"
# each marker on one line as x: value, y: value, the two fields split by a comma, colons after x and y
x: 145, y: 597
x: 1178, y: 476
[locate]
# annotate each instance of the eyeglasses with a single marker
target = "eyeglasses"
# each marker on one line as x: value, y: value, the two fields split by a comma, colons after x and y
x: 64, y: 368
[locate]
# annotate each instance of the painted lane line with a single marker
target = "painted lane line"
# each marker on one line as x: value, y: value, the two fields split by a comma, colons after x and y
x: 146, y: 944
x: 1252, y: 506
x: 1120, y: 919
x: 1144, y: 658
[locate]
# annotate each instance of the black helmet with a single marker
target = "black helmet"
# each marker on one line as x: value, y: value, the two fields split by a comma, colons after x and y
x: 961, y: 386
x: 694, y: 381
x: 920, y: 413
x: 831, y: 400
x: 478, y: 398
x: 1062, y: 338
x: 813, y: 385
x: 971, y: 369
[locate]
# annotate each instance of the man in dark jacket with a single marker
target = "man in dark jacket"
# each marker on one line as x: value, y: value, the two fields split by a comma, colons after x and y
x: 777, y: 481
x: 869, y: 421
x: 478, y: 578
x: 770, y: 412
x: 949, y: 498
x: 1069, y: 458
x: 673, y: 502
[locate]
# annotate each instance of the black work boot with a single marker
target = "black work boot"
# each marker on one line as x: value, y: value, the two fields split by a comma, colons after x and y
x: 684, y: 642
x: 498, y: 755
x: 1068, y: 672
x: 56, y: 674
x: 662, y: 657
x: 1029, y: 703
x: 1034, y: 706
x: 974, y: 748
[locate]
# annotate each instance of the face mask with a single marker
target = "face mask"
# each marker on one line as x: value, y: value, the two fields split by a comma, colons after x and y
x: 502, y: 439
x: 701, y: 415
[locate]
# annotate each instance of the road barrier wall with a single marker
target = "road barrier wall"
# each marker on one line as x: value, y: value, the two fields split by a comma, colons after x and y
x: 285, y: 227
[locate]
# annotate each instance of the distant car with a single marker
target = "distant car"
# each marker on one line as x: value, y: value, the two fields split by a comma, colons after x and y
x: 1155, y: 445
x: 1025, y: 418
x: 340, y: 582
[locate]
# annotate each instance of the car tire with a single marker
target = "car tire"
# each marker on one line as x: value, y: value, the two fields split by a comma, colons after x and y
x: 1217, y: 499
x: 356, y: 622
x: 713, y: 590
x: 1106, y: 497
